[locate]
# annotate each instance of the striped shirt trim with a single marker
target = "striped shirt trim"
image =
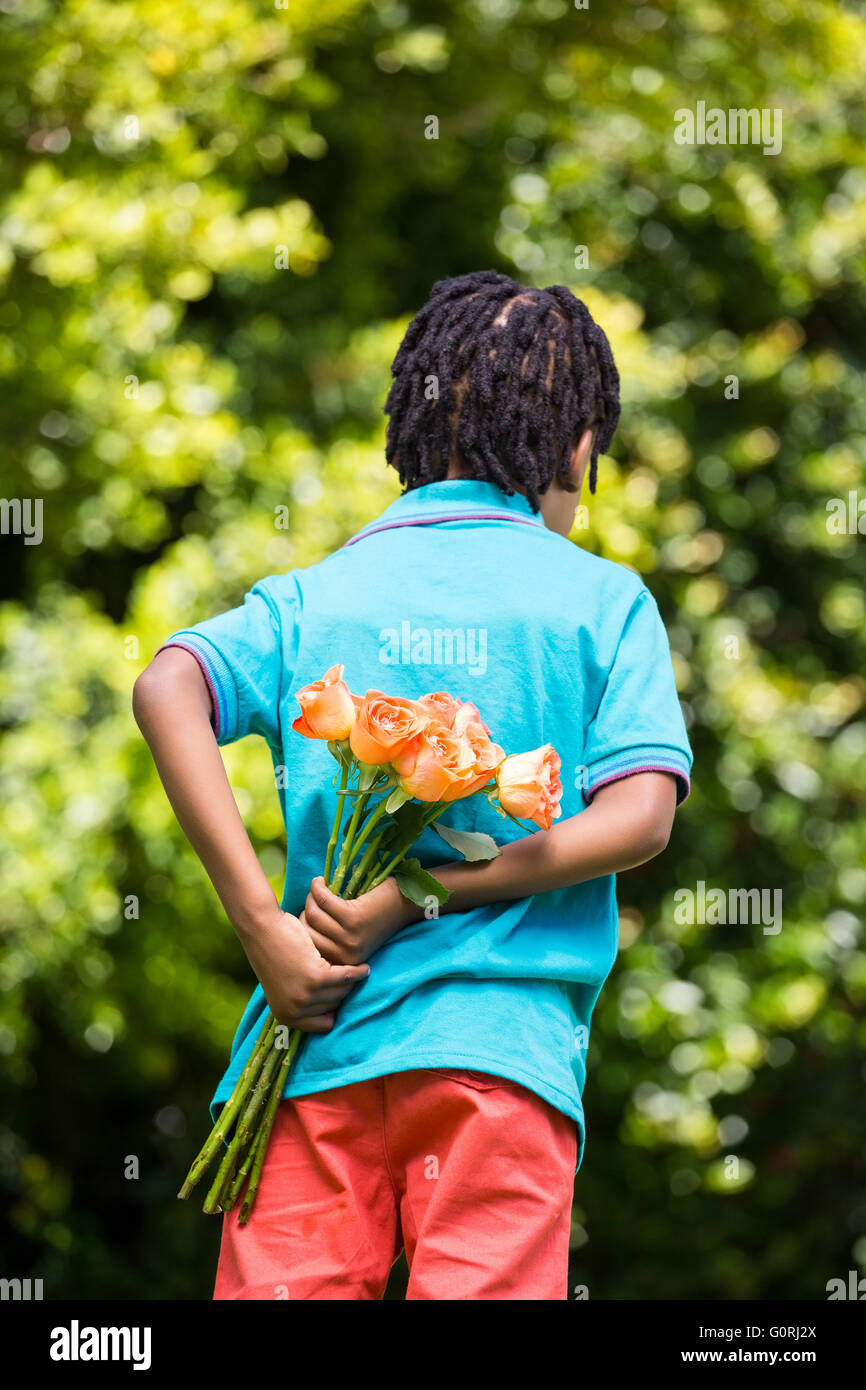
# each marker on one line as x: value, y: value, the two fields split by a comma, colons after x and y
x: 210, y: 671
x: 616, y: 766
x: 419, y: 520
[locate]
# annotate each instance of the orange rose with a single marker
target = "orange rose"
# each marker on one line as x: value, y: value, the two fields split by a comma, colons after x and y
x: 327, y: 707
x: 529, y: 786
x: 441, y: 765
x: 384, y: 726
x: 468, y: 714
x: 433, y: 764
x: 441, y: 706
x: 453, y: 713
x: 480, y: 756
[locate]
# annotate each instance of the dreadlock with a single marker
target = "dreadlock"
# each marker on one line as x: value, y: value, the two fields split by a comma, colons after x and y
x: 521, y: 374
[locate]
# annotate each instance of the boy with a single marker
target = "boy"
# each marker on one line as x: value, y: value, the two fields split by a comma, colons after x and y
x: 435, y: 1101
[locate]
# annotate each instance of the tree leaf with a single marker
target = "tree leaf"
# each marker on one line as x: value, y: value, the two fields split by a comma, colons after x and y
x: 472, y: 844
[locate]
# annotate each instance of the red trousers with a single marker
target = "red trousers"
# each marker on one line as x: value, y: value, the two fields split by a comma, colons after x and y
x: 472, y: 1175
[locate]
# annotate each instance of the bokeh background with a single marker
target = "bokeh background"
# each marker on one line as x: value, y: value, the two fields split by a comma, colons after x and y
x: 216, y: 222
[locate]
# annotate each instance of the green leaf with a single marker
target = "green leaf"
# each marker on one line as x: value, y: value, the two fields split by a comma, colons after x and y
x: 368, y: 773
x: 397, y: 799
x: 341, y: 751
x: 417, y: 885
x: 409, y: 820
x: 472, y: 844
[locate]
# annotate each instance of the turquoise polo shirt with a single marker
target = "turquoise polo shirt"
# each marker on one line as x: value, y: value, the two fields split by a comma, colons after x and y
x: 456, y: 587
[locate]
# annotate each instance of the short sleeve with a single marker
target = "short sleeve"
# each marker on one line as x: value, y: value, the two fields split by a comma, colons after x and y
x: 241, y: 657
x: 639, y: 725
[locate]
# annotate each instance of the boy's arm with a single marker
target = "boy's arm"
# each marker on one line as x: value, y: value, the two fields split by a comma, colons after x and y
x: 628, y: 822
x: 172, y: 707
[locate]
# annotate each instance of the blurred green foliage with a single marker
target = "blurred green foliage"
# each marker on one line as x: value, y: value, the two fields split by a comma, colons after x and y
x: 216, y: 221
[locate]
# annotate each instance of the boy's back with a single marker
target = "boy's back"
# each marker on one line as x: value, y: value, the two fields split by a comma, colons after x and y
x: 458, y: 587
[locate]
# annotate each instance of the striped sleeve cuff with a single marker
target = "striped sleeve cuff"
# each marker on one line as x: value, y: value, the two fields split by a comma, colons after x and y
x: 220, y: 682
x: 643, y: 758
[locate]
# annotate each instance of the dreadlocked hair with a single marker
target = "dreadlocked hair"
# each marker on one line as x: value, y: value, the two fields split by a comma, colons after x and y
x: 517, y: 375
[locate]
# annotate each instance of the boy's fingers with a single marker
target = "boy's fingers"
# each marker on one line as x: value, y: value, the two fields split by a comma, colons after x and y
x: 321, y: 1023
x: 348, y: 974
x: 327, y: 900
x: 324, y: 1002
x: 320, y: 891
x: 327, y: 949
x: 316, y: 918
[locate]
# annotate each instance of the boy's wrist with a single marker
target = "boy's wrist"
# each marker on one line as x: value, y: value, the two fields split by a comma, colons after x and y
x: 250, y: 918
x: 401, y: 911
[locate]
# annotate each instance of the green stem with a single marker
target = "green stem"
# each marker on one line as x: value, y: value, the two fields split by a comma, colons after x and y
x: 265, y: 1132
x: 211, y: 1204
x: 361, y: 867
x: 226, y: 1117
x: 243, y: 1171
x: 364, y: 868
x: 348, y: 842
x: 284, y: 1056
x: 381, y: 874
x: 368, y: 826
x: 257, y: 1096
x: 335, y: 831
x: 243, y: 1137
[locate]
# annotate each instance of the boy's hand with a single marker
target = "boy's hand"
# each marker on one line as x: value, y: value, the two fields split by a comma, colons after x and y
x: 303, y: 989
x: 346, y: 933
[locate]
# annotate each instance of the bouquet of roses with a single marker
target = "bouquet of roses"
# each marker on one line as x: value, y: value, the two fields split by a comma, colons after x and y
x: 401, y: 763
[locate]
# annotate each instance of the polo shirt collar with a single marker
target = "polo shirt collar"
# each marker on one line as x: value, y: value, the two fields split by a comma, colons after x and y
x: 458, y: 496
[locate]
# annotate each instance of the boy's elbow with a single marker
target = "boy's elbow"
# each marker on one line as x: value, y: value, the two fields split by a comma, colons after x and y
x: 658, y: 838
x: 657, y: 815
x: 642, y: 810
x: 656, y: 834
